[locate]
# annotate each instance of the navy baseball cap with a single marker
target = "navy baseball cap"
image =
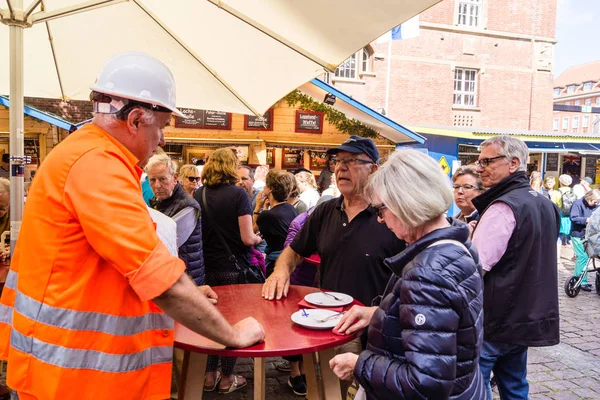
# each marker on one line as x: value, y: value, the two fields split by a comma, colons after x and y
x: 357, y: 145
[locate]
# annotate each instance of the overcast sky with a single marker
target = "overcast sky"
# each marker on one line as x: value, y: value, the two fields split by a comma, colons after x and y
x: 577, y: 24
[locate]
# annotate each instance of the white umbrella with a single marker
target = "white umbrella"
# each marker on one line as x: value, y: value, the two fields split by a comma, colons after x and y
x: 230, y: 55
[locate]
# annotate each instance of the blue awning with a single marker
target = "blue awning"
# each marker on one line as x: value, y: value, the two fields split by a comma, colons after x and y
x: 41, y: 115
x: 387, y: 128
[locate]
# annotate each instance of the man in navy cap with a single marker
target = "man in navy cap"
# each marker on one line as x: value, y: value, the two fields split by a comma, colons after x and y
x: 346, y: 234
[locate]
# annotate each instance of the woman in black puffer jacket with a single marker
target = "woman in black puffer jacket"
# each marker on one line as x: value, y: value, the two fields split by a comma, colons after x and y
x: 426, y: 334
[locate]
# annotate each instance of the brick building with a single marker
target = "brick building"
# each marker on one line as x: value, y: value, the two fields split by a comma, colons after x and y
x: 475, y: 63
x: 477, y: 68
x: 577, y: 114
x: 577, y: 87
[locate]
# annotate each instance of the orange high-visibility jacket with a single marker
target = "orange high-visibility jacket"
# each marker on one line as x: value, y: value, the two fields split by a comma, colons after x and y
x: 77, y: 320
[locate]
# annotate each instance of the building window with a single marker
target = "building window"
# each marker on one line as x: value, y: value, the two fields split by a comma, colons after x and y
x: 465, y: 87
x: 347, y: 69
x: 565, y: 123
x: 556, y: 92
x: 597, y: 101
x: 575, y: 124
x: 366, y: 60
x: 555, y: 124
x: 469, y: 13
x: 571, y: 89
x: 577, y: 102
x: 350, y: 68
x: 587, y: 87
x: 588, y: 102
x: 568, y: 103
x: 586, y: 121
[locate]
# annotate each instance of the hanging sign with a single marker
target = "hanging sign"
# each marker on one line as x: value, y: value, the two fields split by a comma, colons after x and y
x: 309, y: 121
x: 204, y: 119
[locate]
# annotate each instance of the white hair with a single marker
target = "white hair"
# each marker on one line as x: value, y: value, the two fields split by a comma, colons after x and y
x: 565, y: 180
x: 163, y: 159
x: 511, y: 148
x: 412, y: 186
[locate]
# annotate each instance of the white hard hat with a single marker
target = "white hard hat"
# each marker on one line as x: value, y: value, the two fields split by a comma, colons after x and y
x: 138, y: 77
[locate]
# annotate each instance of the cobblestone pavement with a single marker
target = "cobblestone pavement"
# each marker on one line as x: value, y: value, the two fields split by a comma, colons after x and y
x: 570, y: 370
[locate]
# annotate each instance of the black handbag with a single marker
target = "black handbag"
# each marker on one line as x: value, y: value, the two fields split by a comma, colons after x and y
x: 246, y: 275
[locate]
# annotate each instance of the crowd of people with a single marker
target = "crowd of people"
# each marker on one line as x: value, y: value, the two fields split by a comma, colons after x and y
x: 447, y: 301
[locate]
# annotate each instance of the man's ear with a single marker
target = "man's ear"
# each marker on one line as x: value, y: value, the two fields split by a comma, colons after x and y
x: 134, y: 120
x: 515, y: 163
x: 374, y: 167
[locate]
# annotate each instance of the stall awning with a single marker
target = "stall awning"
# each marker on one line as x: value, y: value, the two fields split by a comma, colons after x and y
x: 525, y: 135
x: 387, y: 128
x: 42, y: 115
x: 546, y: 147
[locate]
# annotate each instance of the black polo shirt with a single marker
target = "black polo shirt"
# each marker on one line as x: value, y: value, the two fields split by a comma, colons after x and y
x: 352, y: 253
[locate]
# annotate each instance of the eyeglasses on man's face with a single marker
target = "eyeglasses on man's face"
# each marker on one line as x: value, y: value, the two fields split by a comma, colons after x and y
x: 465, y: 187
x: 484, y: 162
x: 193, y: 179
x: 379, y: 209
x: 351, y: 162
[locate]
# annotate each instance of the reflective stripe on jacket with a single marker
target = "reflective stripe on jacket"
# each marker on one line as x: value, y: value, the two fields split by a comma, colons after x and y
x: 76, y: 320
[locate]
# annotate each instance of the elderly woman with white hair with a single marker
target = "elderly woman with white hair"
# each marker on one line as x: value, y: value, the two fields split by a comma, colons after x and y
x: 425, y: 337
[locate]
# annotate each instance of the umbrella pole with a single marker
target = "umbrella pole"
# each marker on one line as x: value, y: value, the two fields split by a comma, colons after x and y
x: 17, y: 125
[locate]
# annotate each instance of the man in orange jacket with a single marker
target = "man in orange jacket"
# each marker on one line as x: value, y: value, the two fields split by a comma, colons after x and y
x: 81, y: 315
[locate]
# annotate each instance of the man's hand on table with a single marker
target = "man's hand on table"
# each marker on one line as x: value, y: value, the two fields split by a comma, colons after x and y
x: 208, y: 292
x: 355, y: 319
x: 250, y: 331
x: 343, y: 365
x: 277, y: 285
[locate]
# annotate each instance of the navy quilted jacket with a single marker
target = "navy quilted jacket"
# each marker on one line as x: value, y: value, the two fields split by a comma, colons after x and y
x: 425, y: 337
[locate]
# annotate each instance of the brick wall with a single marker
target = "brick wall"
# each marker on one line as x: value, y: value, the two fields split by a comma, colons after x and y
x: 513, y: 93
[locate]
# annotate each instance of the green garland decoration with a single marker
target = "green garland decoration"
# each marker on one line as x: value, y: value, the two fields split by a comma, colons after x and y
x: 335, y: 117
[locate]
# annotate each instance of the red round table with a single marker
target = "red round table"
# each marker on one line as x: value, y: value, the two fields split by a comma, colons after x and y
x: 283, y: 338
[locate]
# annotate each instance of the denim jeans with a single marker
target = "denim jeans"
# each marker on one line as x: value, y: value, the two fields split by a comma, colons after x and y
x: 509, y: 363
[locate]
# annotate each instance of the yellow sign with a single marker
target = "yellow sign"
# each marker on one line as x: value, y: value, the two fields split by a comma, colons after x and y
x: 444, y: 164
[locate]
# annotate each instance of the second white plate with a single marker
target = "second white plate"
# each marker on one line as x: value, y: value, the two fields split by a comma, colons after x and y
x: 316, y: 318
x: 327, y: 300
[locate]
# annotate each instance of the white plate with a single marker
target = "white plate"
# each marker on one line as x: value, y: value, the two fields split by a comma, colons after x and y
x: 325, y: 300
x: 310, y: 318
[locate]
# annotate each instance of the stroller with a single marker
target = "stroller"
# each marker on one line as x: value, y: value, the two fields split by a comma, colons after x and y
x: 591, y: 244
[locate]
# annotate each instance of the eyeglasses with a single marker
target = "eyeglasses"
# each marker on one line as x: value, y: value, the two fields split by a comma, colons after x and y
x: 351, y: 162
x: 465, y: 187
x: 379, y: 209
x: 193, y: 179
x: 484, y: 162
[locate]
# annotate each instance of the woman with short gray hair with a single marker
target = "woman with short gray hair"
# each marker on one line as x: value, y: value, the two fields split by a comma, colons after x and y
x: 435, y: 294
x: 467, y: 185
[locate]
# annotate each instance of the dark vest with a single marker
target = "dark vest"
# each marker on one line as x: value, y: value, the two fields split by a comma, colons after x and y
x: 520, y: 292
x: 191, y: 251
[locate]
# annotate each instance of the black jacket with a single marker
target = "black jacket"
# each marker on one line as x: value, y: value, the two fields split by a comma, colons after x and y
x: 425, y: 337
x: 520, y: 292
x: 191, y: 251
